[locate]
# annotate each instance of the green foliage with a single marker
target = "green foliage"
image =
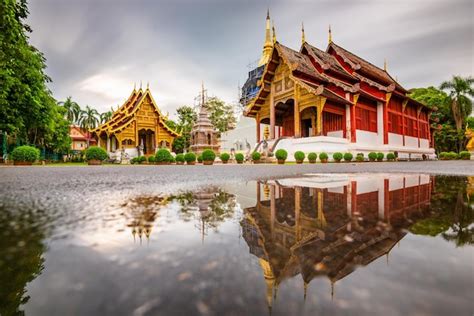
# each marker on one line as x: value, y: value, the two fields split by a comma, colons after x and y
x: 134, y: 160
x: 179, y: 144
x: 372, y: 156
x: 460, y: 91
x: 141, y: 159
x: 151, y: 159
x: 256, y: 156
x: 172, y: 159
x: 281, y: 154
x: 470, y: 122
x: 221, y: 114
x: 163, y: 155
x: 25, y: 153
x: 323, y: 156
x: 96, y: 153
x: 312, y: 157
x: 348, y: 157
x: 299, y: 155
x: 106, y: 116
x: 225, y: 157
x: 452, y: 155
x: 337, y: 156
x: 360, y: 157
x: 447, y: 138
x: 465, y: 155
x: 239, y: 157
x: 380, y: 156
x: 190, y: 157
x: 180, y: 158
x: 186, y: 118
x: 208, y: 155
x: 390, y: 156
x: 199, y: 158
x: 72, y: 109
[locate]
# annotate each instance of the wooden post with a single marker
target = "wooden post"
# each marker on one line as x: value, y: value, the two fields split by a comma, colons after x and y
x: 319, y: 117
x: 272, y: 113
x: 297, y: 119
x: 353, y: 118
x: 257, y: 121
x: 385, y: 118
x: 313, y: 124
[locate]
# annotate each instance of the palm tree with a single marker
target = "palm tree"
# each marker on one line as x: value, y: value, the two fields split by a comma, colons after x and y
x: 460, y: 89
x: 88, y: 120
x: 104, y: 117
x: 73, y: 110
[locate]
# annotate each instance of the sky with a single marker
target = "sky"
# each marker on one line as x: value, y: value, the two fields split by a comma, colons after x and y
x: 97, y: 50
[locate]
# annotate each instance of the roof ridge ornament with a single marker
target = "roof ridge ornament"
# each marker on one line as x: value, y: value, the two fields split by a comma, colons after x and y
x: 385, y: 64
x: 303, y: 40
x: 140, y: 84
x: 329, y: 35
x: 274, y: 33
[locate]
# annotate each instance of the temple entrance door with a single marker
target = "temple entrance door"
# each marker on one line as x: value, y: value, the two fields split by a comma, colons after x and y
x: 306, y: 128
x: 146, y: 141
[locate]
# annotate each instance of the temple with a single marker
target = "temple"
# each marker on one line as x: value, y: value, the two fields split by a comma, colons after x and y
x: 333, y: 101
x: 326, y: 226
x: 136, y: 128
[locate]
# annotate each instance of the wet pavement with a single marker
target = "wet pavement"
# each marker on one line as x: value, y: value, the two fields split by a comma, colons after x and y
x: 236, y: 240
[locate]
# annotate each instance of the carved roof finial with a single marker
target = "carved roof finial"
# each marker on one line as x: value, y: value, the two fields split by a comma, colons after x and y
x: 134, y: 86
x: 385, y: 64
x: 140, y: 84
x: 148, y: 85
x: 303, y: 40
x: 274, y: 33
x: 329, y: 35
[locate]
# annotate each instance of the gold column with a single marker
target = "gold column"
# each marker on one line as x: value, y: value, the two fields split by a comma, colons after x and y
x: 297, y: 119
x: 319, y: 117
x: 272, y: 113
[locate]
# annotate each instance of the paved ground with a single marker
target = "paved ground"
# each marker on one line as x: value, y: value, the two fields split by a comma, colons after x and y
x: 102, y: 177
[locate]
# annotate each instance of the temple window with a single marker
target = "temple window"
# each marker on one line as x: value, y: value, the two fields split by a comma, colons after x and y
x: 366, y: 117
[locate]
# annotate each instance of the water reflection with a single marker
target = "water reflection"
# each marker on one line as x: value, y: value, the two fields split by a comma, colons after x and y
x: 329, y: 225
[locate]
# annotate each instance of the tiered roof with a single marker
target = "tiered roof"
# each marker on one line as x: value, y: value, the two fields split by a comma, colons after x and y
x: 124, y: 115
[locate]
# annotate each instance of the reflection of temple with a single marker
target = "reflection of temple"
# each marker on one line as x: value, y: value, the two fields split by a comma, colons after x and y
x: 143, y: 212
x: 327, y: 225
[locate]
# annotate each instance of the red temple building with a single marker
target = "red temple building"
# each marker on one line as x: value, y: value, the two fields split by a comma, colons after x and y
x: 334, y: 101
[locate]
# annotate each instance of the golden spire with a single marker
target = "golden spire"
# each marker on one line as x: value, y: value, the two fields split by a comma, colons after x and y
x: 134, y: 86
x: 274, y: 33
x: 268, y: 45
x: 303, y: 40
x: 148, y: 85
x: 385, y: 64
x: 140, y: 84
x: 330, y: 35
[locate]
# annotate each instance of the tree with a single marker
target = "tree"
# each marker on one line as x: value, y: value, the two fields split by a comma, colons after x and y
x: 460, y: 89
x: 88, y: 120
x: 221, y: 114
x: 104, y: 117
x: 186, y: 118
x: 27, y: 108
x: 73, y: 110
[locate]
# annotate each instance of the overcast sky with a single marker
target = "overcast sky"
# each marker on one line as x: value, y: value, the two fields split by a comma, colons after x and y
x: 96, y: 50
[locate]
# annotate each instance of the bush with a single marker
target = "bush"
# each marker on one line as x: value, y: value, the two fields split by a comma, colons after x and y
x: 323, y: 156
x: 390, y: 156
x: 312, y: 157
x: 208, y: 155
x: 25, y: 154
x: 299, y: 156
x: 225, y: 157
x: 171, y: 159
x: 180, y: 158
x: 239, y: 157
x: 348, y: 157
x: 141, y: 159
x: 465, y: 155
x: 163, y: 155
x: 337, y: 156
x: 134, y: 160
x: 442, y: 155
x: 452, y: 155
x: 199, y: 158
x: 256, y: 156
x: 380, y: 156
x: 360, y: 157
x: 281, y: 154
x: 372, y: 156
x: 190, y: 157
x: 96, y: 153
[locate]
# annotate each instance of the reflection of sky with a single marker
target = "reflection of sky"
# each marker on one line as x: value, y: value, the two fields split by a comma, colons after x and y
x: 98, y: 268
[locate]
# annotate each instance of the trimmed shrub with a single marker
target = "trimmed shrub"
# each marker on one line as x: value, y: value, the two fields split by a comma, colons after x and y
x: 180, y: 158
x: 199, y: 158
x: 372, y: 156
x: 348, y: 157
x: 141, y: 159
x: 96, y: 153
x: 465, y: 155
x: 390, y: 156
x: 239, y: 157
x: 163, y: 155
x: 312, y: 157
x: 26, y: 154
x: 323, y: 157
x: 452, y: 155
x: 360, y: 157
x: 256, y: 156
x: 172, y: 159
x: 190, y: 157
x: 299, y: 156
x: 281, y: 154
x: 442, y: 155
x: 380, y: 156
x: 151, y: 159
x: 208, y: 155
x: 224, y: 157
x: 134, y: 160
x: 337, y: 157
